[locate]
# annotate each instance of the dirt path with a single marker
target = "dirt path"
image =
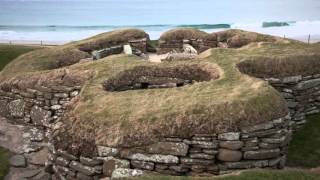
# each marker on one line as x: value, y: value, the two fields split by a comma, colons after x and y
x: 18, y: 139
x: 313, y: 170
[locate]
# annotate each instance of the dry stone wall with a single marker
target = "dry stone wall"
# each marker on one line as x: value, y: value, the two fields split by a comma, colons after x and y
x: 177, y: 45
x: 139, y: 44
x: 39, y: 110
x: 259, y: 146
x: 139, y: 47
x: 40, y: 106
x: 302, y: 94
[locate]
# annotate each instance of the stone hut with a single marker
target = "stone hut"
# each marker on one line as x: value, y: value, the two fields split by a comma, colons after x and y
x: 195, y: 118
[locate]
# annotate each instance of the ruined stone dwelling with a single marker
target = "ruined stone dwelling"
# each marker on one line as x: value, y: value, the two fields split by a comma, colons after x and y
x: 223, y: 111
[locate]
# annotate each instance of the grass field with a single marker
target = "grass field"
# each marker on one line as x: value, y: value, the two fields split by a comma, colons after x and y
x: 249, y: 175
x: 304, y: 150
x: 10, y: 52
x: 4, y: 162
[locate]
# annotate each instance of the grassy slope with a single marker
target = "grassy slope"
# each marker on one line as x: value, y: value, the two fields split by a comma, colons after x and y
x: 10, y: 52
x: 200, y: 101
x: 4, y: 162
x: 146, y: 110
x: 48, y: 58
x: 304, y: 150
x: 247, y: 175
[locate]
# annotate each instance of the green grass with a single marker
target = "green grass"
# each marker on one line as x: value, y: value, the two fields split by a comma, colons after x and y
x: 10, y: 52
x: 248, y: 175
x: 304, y: 150
x: 136, y: 118
x: 235, y: 100
x: 154, y: 43
x: 4, y: 162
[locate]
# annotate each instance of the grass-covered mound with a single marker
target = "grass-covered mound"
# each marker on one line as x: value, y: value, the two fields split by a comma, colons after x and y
x: 138, y: 117
x: 132, y: 118
x: 180, y: 34
x: 71, y: 53
x: 281, y: 66
x: 236, y: 38
x: 109, y: 39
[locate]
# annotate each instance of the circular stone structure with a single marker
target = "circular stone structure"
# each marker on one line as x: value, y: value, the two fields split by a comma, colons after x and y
x: 151, y: 77
x: 120, y: 116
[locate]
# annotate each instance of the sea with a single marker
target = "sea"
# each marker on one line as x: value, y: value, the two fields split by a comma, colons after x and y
x: 61, y: 21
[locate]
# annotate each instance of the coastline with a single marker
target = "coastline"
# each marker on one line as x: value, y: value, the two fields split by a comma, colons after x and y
x: 314, y: 38
x: 31, y: 42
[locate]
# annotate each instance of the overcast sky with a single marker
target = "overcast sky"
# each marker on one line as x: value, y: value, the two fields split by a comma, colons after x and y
x: 133, y: 12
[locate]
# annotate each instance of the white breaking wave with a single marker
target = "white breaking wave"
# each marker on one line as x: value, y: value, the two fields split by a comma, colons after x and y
x: 297, y: 30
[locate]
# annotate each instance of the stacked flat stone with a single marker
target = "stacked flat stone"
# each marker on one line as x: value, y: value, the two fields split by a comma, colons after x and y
x: 302, y: 94
x: 139, y: 44
x: 259, y: 146
x: 40, y: 106
x: 177, y: 45
x: 101, y: 53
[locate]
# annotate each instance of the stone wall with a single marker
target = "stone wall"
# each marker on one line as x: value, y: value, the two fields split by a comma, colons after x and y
x: 259, y: 146
x: 302, y: 94
x: 38, y: 110
x: 177, y: 45
x: 98, y: 54
x: 40, y: 106
x: 139, y: 46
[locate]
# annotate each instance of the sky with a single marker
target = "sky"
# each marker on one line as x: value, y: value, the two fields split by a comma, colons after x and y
x: 133, y: 12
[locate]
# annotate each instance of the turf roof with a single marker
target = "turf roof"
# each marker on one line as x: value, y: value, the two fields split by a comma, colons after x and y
x: 134, y: 118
